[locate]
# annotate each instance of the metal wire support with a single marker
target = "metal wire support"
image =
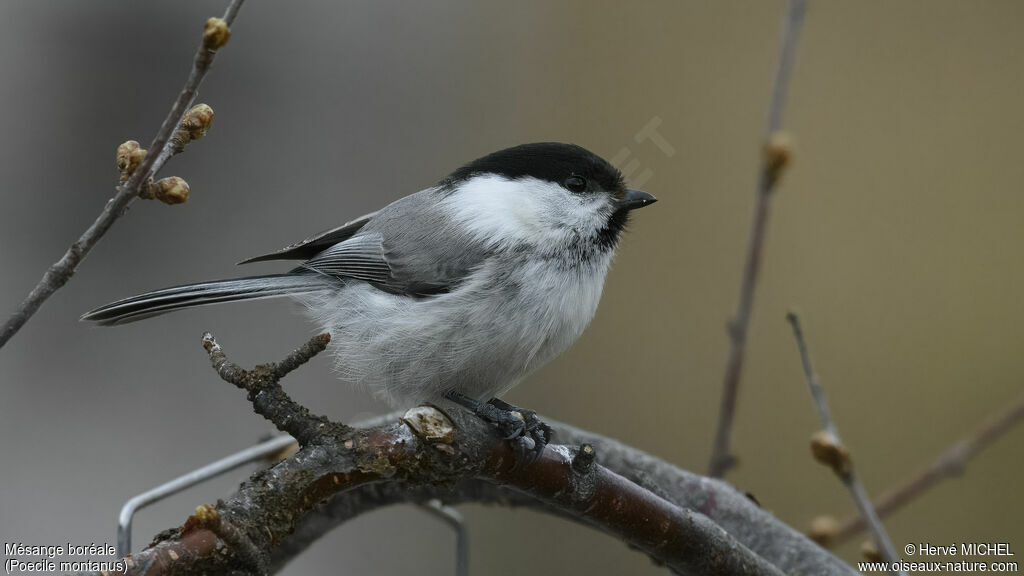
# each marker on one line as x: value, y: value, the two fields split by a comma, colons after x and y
x: 453, y: 518
x: 212, y: 470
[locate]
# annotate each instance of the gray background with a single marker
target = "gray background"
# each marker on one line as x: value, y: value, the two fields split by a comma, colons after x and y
x: 897, y: 233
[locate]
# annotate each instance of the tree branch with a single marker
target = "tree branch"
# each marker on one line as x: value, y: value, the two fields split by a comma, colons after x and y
x: 269, y: 398
x: 949, y: 464
x: 829, y: 450
x: 453, y: 456
x: 776, y: 156
x: 162, y: 148
x: 734, y: 511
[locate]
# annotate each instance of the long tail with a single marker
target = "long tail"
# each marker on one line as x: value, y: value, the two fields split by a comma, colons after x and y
x: 188, y: 296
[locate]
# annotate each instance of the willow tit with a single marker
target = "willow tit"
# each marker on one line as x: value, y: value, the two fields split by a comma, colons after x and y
x: 457, y: 291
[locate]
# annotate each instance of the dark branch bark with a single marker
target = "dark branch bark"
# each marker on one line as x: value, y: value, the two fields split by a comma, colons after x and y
x: 268, y: 398
x: 735, y: 512
x: 454, y: 456
x: 269, y: 507
x: 160, y: 150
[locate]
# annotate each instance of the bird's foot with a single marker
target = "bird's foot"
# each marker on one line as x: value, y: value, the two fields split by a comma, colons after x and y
x: 528, y: 433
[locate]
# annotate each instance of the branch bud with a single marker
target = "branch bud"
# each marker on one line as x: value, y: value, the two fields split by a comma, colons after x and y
x: 197, y: 121
x: 207, y: 513
x: 193, y: 126
x: 206, y: 516
x: 583, y: 461
x: 823, y: 530
x: 778, y: 153
x: 216, y: 34
x: 129, y: 156
x: 870, y: 551
x: 170, y: 190
x: 827, y: 450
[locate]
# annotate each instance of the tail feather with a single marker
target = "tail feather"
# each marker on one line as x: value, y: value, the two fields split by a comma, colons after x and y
x: 217, y: 291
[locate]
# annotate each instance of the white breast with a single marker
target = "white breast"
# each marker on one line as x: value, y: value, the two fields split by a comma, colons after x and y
x: 481, y: 339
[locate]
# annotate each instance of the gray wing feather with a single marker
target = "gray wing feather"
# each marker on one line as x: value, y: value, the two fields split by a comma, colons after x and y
x: 361, y: 257
x: 426, y: 251
x: 315, y: 243
x: 409, y: 247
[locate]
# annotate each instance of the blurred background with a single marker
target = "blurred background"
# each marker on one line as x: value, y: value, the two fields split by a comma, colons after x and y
x: 897, y: 233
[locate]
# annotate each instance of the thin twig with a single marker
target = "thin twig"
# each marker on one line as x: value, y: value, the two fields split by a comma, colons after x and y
x: 949, y: 464
x: 160, y: 150
x: 836, y: 455
x: 263, y: 383
x: 817, y: 392
x: 775, y: 158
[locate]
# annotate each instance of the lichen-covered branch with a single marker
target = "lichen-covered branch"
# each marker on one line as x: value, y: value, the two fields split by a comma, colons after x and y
x: 777, y: 152
x: 734, y: 511
x: 453, y: 456
x: 138, y: 169
x: 269, y: 398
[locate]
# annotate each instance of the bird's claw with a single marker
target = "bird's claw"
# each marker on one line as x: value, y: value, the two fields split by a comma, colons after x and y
x: 527, y: 433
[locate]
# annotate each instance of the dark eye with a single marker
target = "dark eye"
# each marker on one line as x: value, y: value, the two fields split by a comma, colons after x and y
x: 575, y: 184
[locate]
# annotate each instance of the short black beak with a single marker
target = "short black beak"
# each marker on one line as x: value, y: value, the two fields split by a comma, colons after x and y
x: 636, y: 199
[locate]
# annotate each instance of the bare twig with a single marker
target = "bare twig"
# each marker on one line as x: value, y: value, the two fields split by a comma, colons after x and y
x: 429, y: 451
x: 269, y: 398
x: 949, y: 464
x: 828, y: 448
x: 817, y: 392
x: 161, y: 149
x: 776, y: 156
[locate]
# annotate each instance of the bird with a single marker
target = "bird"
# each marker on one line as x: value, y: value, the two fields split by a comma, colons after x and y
x: 458, y: 291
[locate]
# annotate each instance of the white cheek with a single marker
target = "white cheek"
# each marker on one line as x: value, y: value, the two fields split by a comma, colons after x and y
x: 588, y: 213
x: 493, y: 208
